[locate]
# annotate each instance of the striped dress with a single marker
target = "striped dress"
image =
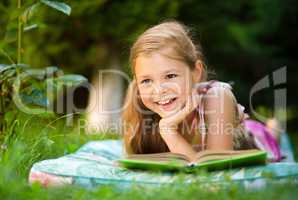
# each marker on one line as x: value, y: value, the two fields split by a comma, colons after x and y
x: 242, y: 138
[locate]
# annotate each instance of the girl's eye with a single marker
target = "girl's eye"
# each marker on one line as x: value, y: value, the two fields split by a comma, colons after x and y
x: 171, y: 76
x: 145, y: 81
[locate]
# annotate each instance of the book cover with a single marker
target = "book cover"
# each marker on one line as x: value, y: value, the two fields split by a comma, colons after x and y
x: 208, y: 160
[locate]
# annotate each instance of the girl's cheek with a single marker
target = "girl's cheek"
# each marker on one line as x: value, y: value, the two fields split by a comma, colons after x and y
x: 146, y: 99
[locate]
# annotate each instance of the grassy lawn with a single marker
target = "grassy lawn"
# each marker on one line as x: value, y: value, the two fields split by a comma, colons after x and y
x: 30, y: 142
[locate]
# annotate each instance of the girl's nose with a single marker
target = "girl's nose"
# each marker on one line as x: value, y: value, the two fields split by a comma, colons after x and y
x: 160, y: 88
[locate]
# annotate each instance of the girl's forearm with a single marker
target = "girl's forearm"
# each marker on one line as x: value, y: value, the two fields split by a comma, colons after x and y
x: 177, y: 144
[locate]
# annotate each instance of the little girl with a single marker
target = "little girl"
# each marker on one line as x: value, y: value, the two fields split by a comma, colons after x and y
x: 170, y: 105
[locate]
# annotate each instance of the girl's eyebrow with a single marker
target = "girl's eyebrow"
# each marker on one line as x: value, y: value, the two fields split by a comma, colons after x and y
x: 144, y: 76
x: 165, y: 72
x: 170, y: 70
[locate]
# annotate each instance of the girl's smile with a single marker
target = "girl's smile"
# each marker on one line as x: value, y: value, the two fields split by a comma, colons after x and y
x: 168, y: 104
x: 163, y: 83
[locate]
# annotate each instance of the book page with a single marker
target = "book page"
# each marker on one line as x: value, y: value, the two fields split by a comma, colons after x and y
x: 162, y: 157
x: 220, y: 154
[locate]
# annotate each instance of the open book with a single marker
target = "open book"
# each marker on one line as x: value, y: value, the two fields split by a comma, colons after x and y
x: 208, y: 159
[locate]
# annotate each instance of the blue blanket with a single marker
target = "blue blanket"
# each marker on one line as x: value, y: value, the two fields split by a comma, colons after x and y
x: 94, y: 164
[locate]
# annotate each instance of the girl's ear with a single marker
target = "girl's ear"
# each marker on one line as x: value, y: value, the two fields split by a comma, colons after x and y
x: 197, y: 72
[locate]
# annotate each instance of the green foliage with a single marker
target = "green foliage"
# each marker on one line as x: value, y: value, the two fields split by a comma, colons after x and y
x: 68, y: 80
x: 17, y: 20
x: 33, y: 91
x: 93, y: 36
x: 22, y: 88
x: 62, y: 7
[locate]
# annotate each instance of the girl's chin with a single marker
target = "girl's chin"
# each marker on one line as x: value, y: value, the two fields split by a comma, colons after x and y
x: 164, y: 115
x: 168, y: 111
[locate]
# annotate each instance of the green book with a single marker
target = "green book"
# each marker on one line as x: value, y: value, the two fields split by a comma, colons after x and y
x: 208, y: 159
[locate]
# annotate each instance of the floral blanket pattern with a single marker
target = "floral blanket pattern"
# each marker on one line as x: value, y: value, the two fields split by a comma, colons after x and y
x: 94, y: 164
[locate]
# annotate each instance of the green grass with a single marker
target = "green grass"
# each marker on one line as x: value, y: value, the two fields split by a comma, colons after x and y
x: 33, y: 139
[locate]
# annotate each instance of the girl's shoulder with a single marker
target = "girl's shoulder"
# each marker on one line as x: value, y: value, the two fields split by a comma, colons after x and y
x: 215, y: 88
x: 217, y: 84
x: 222, y: 91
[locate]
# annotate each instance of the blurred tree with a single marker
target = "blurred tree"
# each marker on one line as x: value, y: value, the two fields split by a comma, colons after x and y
x: 237, y: 36
x: 246, y: 40
x: 242, y: 40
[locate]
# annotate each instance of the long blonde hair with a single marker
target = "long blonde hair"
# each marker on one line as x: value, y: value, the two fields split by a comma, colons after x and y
x: 140, y: 125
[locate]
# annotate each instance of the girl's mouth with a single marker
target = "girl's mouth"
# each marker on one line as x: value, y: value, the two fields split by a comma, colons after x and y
x: 167, y: 104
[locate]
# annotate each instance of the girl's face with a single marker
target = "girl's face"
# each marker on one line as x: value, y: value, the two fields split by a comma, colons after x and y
x: 163, y: 83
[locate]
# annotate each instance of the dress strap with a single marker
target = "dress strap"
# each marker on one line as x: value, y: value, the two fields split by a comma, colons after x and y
x: 202, y: 125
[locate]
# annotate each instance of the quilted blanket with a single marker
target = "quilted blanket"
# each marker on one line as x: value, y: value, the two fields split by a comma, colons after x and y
x: 94, y: 164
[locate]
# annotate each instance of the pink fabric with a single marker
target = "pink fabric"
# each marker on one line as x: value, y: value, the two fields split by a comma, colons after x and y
x: 264, y: 139
x: 46, y: 179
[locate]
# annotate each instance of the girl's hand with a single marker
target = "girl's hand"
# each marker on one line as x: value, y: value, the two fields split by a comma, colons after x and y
x: 170, y: 124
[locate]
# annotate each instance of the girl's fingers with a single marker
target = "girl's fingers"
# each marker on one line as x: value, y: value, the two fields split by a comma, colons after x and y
x: 191, y: 103
x: 177, y: 117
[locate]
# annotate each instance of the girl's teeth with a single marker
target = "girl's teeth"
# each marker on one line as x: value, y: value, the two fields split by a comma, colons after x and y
x: 164, y: 102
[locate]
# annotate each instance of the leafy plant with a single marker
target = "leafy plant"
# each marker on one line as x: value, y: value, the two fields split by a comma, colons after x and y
x: 21, y: 19
x: 34, y: 91
x: 22, y: 87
